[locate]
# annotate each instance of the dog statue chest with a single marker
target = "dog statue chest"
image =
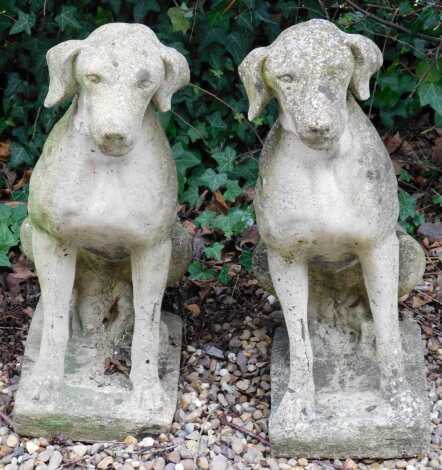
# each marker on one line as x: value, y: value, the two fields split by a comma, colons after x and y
x: 101, y: 197
x: 325, y: 196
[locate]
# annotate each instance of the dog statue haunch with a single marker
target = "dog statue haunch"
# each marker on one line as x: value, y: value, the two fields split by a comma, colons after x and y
x: 104, y: 194
x: 326, y: 190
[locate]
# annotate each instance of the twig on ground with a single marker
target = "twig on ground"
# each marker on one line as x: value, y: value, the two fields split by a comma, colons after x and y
x: 259, y: 438
x: 7, y: 420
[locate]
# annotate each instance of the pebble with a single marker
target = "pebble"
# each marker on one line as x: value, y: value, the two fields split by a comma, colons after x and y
x: 203, y: 463
x: 130, y: 441
x: 243, y: 384
x: 350, y: 464
x: 219, y: 462
x: 147, y: 442
x: 252, y: 455
x: 28, y: 465
x: 12, y: 440
x: 55, y: 460
x: 187, y: 464
x: 302, y: 462
x: 173, y: 457
x: 80, y: 450
x: 105, y: 463
x: 45, y: 455
x: 159, y: 463
x: 238, y: 445
x: 32, y: 447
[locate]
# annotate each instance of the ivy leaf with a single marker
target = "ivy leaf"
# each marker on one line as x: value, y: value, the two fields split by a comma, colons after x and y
x: 115, y: 6
x: 192, y: 195
x: 437, y: 200
x: 224, y: 276
x: 4, y: 260
x: 233, y: 190
x: 19, y: 156
x: 234, y: 222
x: 237, y: 45
x: 205, y: 219
x: 247, y: 170
x: 7, y: 238
x: 143, y: 7
x: 214, y: 251
x: 431, y: 93
x: 198, y: 272
x: 67, y: 18
x: 24, y: 23
x: 407, y: 205
x: 429, y: 71
x: 216, y: 121
x: 213, y: 180
x: 184, y: 159
x: 246, y: 259
x: 225, y: 159
x: 180, y: 18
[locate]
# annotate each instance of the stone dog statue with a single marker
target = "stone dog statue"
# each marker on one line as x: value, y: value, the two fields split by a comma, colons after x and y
x: 102, y: 204
x: 326, y: 191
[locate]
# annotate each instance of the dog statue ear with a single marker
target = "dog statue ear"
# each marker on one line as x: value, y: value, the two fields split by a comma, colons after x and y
x: 368, y: 60
x: 176, y: 76
x: 252, y: 75
x: 62, y: 84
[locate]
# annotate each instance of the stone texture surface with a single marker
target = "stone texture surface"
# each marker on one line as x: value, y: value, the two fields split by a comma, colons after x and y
x: 326, y: 198
x: 96, y: 406
x: 102, y: 232
x: 351, y: 417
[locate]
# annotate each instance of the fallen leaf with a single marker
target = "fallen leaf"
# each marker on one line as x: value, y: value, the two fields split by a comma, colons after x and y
x: 393, y: 142
x: 436, y: 151
x: 219, y: 198
x: 5, y: 150
x: 194, y: 309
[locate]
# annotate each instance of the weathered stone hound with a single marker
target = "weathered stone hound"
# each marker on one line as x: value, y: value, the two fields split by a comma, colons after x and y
x: 101, y: 231
x: 327, y: 193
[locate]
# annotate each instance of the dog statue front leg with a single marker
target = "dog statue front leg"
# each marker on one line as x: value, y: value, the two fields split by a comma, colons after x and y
x: 380, y: 267
x: 150, y: 267
x: 290, y: 279
x: 55, y: 265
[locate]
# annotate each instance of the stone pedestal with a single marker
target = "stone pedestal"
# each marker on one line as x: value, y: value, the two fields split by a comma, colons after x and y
x: 93, y: 405
x: 351, y: 417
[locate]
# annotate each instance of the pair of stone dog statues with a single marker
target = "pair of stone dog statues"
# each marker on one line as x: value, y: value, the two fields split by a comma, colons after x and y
x: 347, y: 376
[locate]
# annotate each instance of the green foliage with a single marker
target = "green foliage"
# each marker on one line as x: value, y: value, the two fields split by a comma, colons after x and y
x: 10, y: 222
x: 409, y: 217
x: 216, y: 149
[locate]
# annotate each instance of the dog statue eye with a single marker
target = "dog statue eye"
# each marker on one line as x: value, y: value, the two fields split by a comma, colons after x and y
x: 287, y: 78
x: 144, y: 83
x: 94, y: 78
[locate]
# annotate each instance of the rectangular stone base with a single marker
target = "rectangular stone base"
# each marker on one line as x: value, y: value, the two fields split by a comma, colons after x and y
x: 351, y: 418
x: 91, y: 408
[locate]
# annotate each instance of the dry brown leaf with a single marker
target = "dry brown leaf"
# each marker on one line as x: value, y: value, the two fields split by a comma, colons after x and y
x: 393, y: 142
x: 219, y: 198
x: 5, y: 150
x: 194, y: 309
x: 436, y: 151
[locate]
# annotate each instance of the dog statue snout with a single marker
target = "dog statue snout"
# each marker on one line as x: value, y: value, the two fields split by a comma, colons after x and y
x: 321, y: 130
x: 114, y: 137
x: 115, y: 143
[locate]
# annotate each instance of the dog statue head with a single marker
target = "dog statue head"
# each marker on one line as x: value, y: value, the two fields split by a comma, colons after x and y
x: 309, y: 69
x: 116, y: 71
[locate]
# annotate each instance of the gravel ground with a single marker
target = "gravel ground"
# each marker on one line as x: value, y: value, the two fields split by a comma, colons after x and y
x: 222, y: 417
